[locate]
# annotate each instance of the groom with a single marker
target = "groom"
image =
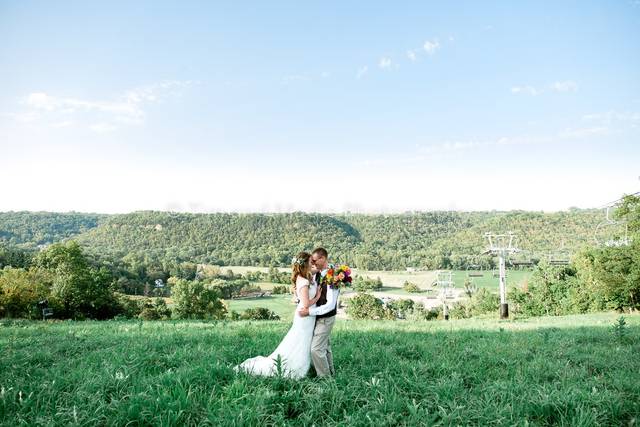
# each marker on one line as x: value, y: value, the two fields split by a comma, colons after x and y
x: 325, y: 312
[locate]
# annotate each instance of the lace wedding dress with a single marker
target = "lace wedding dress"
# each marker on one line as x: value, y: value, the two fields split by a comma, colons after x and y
x: 295, y: 348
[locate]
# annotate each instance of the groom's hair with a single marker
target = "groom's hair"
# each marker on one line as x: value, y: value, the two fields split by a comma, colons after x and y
x: 321, y: 251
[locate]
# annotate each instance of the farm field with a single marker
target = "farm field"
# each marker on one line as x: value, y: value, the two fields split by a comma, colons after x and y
x: 424, y: 279
x: 282, y: 305
x: 572, y: 370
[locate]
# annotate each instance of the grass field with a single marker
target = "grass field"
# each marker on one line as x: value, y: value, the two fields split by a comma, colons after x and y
x: 282, y: 305
x: 545, y: 371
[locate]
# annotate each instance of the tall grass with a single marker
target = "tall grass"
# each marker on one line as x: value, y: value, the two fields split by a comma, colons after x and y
x: 547, y: 371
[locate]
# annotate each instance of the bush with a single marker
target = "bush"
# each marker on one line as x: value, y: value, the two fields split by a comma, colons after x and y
x: 280, y: 289
x: 419, y: 312
x: 552, y: 290
x: 128, y: 307
x: 197, y: 300
x: 259, y: 313
x: 365, y: 306
x: 156, y: 310
x: 361, y: 284
x: 401, y: 308
x: 249, y: 288
x: 483, y: 301
x: 234, y: 288
x: 411, y: 287
x: 21, y: 290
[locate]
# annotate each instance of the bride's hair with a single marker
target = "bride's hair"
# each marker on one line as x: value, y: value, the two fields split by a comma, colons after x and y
x: 300, y: 267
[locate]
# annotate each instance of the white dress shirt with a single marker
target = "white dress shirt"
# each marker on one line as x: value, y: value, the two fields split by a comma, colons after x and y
x: 332, y: 299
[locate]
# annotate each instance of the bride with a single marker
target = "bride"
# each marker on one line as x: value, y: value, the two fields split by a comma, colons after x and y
x: 292, y: 357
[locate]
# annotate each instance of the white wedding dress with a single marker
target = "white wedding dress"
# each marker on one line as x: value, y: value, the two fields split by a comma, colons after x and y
x: 294, y: 349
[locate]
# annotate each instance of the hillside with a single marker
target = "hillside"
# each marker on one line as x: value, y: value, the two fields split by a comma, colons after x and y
x: 30, y: 229
x: 427, y: 240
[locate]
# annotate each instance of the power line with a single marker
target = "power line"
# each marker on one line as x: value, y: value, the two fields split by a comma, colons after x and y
x: 637, y: 193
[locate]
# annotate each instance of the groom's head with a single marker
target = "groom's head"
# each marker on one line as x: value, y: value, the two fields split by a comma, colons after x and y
x: 319, y: 258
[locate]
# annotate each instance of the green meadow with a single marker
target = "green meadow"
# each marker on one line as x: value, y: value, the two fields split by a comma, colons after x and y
x: 573, y: 370
x: 424, y: 279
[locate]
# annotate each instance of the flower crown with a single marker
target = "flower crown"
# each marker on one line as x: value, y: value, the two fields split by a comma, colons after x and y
x: 297, y: 261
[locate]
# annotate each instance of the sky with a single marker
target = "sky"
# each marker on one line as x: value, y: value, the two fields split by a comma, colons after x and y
x: 359, y: 106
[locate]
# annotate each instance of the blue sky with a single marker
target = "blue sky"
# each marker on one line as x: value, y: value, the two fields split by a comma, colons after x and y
x: 330, y: 106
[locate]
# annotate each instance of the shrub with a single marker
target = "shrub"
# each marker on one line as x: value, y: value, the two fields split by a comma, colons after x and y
x: 259, y: 313
x: 362, y: 284
x: 249, y: 288
x: 401, y: 308
x: 21, y: 290
x: 419, y: 312
x: 620, y: 329
x: 280, y: 289
x: 411, y: 287
x: 470, y: 288
x: 483, y: 301
x: 460, y: 310
x: 197, y: 300
x: 552, y: 290
x: 155, y: 310
x: 366, y: 306
x: 128, y: 307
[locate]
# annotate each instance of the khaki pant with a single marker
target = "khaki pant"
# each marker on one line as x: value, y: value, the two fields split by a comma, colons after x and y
x: 321, y: 346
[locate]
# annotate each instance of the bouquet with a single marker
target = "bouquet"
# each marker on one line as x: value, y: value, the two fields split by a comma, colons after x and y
x: 338, y: 277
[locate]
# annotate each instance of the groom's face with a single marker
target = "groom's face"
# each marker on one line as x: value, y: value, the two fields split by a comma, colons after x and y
x: 318, y: 261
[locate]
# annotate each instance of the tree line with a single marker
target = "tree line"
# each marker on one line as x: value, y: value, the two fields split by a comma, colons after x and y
x: 166, y: 242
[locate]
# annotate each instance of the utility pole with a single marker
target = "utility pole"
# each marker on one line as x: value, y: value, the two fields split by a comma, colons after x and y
x: 502, y: 245
x: 445, y: 283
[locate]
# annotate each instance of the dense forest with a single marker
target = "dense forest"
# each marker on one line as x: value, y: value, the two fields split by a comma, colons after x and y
x: 37, y: 229
x: 386, y: 242
x: 157, y: 254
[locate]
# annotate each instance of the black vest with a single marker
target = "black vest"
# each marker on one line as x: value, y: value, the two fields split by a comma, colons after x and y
x: 322, y: 288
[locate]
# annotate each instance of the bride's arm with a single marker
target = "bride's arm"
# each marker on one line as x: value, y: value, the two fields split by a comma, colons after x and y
x: 304, y: 295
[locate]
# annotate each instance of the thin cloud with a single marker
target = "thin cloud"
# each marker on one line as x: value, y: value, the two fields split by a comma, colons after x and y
x: 411, y: 55
x: 431, y: 46
x: 610, y: 117
x: 384, y: 62
x: 559, y: 86
x: 127, y: 108
x: 295, y: 78
x: 525, y: 90
x: 584, y: 132
x: 566, y: 86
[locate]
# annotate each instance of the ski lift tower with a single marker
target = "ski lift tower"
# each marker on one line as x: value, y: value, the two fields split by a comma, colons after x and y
x: 502, y: 245
x: 445, y: 283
